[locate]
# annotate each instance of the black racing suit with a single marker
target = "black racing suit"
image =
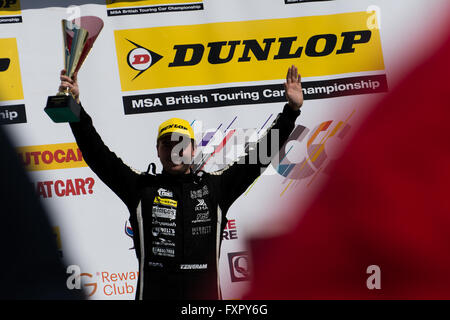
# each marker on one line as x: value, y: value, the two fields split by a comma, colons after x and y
x: 177, y: 220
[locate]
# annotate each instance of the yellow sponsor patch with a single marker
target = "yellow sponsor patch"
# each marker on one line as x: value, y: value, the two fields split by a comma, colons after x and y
x: 9, y: 7
x: 123, y: 4
x: 51, y: 157
x: 165, y: 202
x: 243, y: 51
x: 10, y: 78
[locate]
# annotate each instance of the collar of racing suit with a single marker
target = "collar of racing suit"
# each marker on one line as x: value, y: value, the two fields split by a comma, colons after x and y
x: 178, y: 177
x: 195, y: 177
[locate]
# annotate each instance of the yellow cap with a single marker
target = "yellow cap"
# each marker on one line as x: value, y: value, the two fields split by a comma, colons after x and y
x: 176, y: 125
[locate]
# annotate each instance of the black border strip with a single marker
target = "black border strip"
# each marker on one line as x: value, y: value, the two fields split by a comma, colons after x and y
x: 7, y: 19
x: 19, y: 113
x: 245, y: 95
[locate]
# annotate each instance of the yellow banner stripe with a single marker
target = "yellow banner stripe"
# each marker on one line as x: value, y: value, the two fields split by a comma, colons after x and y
x: 9, y: 8
x: 10, y: 79
x: 165, y: 201
x: 51, y: 157
x: 242, y: 51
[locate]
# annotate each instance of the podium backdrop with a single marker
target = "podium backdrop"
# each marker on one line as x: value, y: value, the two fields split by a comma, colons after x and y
x: 219, y: 64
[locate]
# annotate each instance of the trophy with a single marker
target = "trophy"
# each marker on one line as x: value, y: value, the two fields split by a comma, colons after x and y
x: 79, y: 36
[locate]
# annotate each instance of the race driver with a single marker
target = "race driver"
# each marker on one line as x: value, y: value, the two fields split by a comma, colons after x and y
x: 178, y: 216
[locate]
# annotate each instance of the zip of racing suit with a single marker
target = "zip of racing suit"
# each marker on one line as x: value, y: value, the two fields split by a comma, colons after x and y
x: 177, y: 220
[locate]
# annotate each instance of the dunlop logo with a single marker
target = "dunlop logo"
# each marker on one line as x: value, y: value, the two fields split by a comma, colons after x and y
x: 246, y: 51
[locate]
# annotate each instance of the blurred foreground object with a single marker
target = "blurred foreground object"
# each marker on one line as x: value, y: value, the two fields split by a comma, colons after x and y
x: 30, y: 267
x: 387, y: 203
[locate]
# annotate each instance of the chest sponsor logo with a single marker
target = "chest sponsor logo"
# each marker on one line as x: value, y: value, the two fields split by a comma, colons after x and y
x: 194, y: 266
x: 201, y: 212
x: 163, y: 242
x: 200, y: 231
x: 201, y: 205
x: 165, y: 213
x: 156, y: 231
x: 165, y: 202
x: 165, y: 193
x: 202, y: 217
x: 200, y: 193
x: 156, y: 222
x: 164, y: 252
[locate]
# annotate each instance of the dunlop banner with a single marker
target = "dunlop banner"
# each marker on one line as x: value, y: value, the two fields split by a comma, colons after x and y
x: 230, y: 52
x: 220, y: 65
x: 10, y: 11
x: 10, y: 77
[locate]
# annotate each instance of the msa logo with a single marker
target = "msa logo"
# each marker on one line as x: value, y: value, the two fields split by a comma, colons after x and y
x: 4, y: 64
x: 140, y: 58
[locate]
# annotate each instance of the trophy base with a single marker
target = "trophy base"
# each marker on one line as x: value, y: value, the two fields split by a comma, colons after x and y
x: 62, y: 108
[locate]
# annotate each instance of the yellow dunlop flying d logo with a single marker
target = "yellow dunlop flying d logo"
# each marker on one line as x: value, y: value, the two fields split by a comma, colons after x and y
x: 51, y: 157
x: 123, y: 3
x: 165, y: 202
x: 10, y: 78
x: 9, y: 7
x: 243, y: 51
